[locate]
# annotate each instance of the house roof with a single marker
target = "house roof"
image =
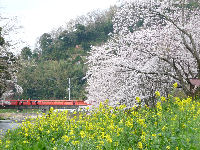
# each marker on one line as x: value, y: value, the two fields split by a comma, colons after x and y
x: 195, y: 82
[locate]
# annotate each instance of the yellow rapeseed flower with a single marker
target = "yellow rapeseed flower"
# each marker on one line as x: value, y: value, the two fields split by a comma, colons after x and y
x: 159, y: 106
x: 8, y: 142
x: 82, y: 133
x: 116, y: 143
x: 134, y: 113
x: 98, y: 147
x: 51, y: 109
x: 55, y: 148
x: 48, y: 131
x: 108, y: 138
x: 141, y: 121
x: 122, y: 106
x: 163, y: 128
x: 140, y: 145
x: 52, y: 139
x: 129, y: 123
x: 175, y: 85
x: 26, y: 134
x: 101, y: 142
x: 143, y: 138
x: 71, y: 132
x: 163, y: 99
x: 66, y: 138
x: 75, y: 142
x: 25, y: 142
x: 138, y: 99
x: 157, y: 94
x: 154, y: 135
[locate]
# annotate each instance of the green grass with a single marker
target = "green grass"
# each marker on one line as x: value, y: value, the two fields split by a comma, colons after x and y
x: 1, y: 118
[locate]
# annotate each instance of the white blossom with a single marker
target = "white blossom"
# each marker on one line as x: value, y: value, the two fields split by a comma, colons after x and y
x: 154, y: 44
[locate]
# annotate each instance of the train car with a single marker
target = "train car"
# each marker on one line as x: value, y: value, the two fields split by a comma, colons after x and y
x: 43, y: 102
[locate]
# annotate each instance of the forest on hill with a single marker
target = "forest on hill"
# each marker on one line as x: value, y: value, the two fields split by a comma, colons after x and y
x: 61, y: 55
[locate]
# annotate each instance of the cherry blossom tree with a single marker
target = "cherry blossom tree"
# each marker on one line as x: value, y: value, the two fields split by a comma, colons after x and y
x: 8, y: 64
x: 155, y: 43
x: 8, y: 77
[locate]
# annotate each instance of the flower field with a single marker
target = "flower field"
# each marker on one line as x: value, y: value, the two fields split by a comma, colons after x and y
x: 173, y: 124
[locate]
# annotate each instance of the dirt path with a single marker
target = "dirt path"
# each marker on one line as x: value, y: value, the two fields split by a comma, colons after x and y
x: 18, y: 116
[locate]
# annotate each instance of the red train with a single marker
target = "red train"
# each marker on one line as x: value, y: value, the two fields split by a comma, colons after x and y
x: 44, y: 102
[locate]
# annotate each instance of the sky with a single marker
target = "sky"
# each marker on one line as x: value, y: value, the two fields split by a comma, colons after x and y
x: 41, y: 16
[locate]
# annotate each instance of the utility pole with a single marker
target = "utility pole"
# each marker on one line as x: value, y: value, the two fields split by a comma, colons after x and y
x: 69, y: 88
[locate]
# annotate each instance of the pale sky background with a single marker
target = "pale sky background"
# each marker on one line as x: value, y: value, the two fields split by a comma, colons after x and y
x: 40, y: 16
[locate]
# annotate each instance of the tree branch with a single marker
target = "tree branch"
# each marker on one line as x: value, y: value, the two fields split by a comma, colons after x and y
x: 150, y: 73
x: 192, y: 50
x: 180, y: 77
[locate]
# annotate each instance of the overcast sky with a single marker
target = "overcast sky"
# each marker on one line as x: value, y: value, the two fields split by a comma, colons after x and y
x: 40, y: 16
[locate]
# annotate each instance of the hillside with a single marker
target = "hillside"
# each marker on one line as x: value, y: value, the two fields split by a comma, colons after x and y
x: 45, y: 70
